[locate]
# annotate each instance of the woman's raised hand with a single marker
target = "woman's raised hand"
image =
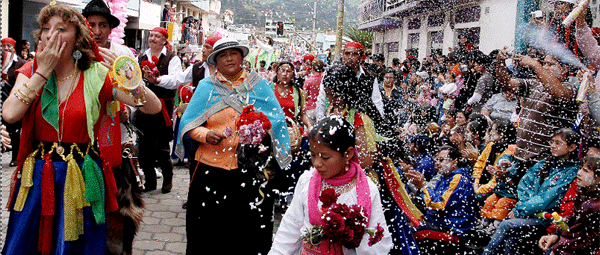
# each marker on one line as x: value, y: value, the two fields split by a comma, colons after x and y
x: 48, y: 54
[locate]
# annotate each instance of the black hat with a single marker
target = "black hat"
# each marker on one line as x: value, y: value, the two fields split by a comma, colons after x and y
x: 98, y: 7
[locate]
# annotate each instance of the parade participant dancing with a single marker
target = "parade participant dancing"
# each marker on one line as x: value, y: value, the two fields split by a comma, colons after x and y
x: 62, y: 189
x: 158, y: 129
x: 223, y: 196
x: 123, y: 226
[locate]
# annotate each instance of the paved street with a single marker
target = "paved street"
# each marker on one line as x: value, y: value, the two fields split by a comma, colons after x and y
x: 163, y: 229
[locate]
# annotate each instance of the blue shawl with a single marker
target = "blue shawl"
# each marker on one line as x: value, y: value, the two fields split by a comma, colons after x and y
x: 212, y: 96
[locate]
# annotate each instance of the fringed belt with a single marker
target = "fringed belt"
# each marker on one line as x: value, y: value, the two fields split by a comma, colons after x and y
x: 60, y: 151
x: 85, y: 186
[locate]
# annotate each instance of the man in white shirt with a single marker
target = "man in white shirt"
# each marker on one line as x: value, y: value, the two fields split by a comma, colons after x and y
x: 353, y: 55
x: 158, y: 129
x: 192, y: 75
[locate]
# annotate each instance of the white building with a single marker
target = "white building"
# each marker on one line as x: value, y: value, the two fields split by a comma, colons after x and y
x: 422, y: 27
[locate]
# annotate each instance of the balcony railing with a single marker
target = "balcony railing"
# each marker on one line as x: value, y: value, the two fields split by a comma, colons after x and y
x: 371, y: 10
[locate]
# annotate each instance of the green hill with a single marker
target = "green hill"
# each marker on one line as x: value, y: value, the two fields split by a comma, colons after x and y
x: 252, y: 12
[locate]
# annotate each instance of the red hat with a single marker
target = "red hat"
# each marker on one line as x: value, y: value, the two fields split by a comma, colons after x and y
x: 310, y: 57
x: 355, y: 45
x: 9, y: 41
x: 212, y: 40
x: 163, y: 32
x: 358, y: 46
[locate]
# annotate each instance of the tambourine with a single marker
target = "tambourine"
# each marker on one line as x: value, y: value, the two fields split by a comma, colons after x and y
x: 126, y: 75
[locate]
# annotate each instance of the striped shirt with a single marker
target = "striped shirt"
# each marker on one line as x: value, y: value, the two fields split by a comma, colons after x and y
x: 542, y: 115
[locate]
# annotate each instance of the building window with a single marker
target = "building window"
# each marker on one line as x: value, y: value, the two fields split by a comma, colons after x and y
x: 436, y: 20
x: 469, y: 14
x: 413, y: 44
x: 414, y: 23
x: 436, y: 41
x: 393, y: 47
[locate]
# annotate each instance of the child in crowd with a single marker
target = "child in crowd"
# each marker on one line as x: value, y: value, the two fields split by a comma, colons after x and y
x: 497, y: 160
x: 581, y: 237
x: 541, y: 189
x: 335, y: 165
x: 448, y: 88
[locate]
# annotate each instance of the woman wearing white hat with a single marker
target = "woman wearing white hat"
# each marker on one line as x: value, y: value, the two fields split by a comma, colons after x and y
x: 223, y: 211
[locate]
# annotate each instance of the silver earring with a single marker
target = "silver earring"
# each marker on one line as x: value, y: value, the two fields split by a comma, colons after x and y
x: 77, y: 54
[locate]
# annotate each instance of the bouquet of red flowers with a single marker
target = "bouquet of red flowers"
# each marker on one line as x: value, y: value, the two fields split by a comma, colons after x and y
x: 252, y: 126
x: 254, y: 152
x: 342, y: 224
x: 151, y: 66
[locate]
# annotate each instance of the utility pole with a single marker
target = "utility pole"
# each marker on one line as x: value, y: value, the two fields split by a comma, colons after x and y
x: 340, y: 25
x: 314, y: 18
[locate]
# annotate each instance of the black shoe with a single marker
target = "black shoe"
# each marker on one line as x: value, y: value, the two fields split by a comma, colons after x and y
x: 12, y: 163
x: 184, y: 205
x: 166, y: 188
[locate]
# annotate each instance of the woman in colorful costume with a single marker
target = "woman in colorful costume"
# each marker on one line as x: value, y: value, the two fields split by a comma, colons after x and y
x: 223, y: 195
x: 347, y: 99
x: 63, y: 189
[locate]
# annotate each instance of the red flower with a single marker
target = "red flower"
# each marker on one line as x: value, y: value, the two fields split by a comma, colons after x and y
x: 155, y: 59
x: 250, y: 115
x: 328, y: 197
x: 333, y: 223
x: 377, y: 236
x: 148, y: 64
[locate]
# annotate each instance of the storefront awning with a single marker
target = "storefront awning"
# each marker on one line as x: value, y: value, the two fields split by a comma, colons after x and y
x: 380, y: 24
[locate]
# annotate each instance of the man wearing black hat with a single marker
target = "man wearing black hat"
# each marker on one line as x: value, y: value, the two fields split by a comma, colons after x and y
x: 102, y: 22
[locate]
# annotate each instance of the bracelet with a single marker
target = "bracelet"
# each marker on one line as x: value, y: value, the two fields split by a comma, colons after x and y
x: 28, y: 88
x: 45, y: 78
x: 23, y: 98
x: 143, y: 94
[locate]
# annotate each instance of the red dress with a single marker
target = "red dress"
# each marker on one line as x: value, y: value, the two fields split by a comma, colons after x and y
x: 74, y: 128
x: 286, y: 103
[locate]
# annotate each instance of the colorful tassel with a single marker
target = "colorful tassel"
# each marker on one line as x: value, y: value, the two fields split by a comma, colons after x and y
x: 74, y: 200
x: 26, y: 181
x: 111, y: 187
x: 94, y: 188
x: 47, y: 215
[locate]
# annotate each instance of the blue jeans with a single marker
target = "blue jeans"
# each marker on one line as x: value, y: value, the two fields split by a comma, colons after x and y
x: 507, y: 236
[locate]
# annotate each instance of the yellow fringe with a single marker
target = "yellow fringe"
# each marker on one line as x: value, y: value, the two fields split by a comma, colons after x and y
x: 74, y: 200
x: 26, y: 181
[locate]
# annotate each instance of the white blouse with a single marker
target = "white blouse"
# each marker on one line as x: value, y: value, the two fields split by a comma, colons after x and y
x: 295, y: 222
